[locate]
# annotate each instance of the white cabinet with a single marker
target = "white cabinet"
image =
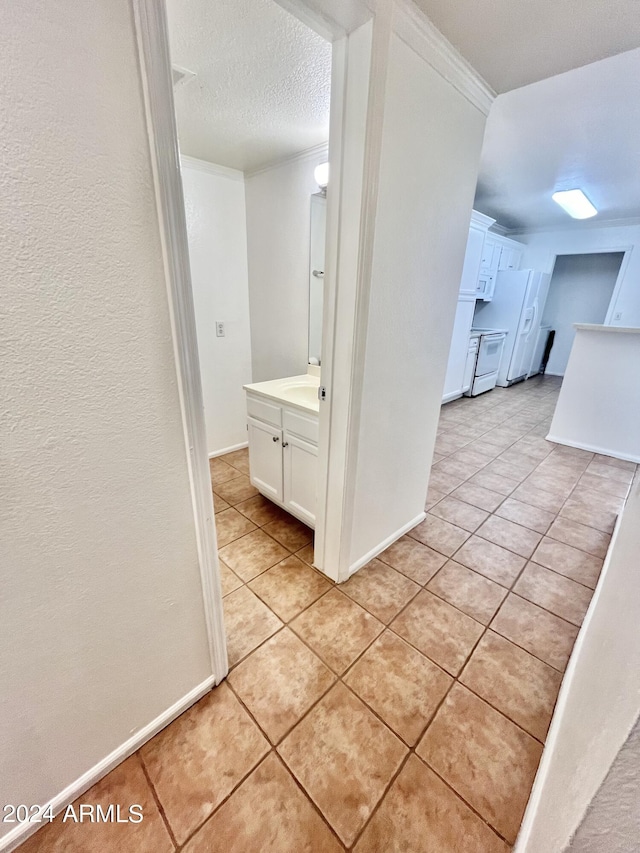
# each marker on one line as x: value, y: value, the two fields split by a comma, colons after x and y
x: 510, y: 254
x: 459, y: 350
x: 283, y: 455
x: 473, y: 257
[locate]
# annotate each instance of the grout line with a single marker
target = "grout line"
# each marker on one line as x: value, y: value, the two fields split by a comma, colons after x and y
x: 158, y: 803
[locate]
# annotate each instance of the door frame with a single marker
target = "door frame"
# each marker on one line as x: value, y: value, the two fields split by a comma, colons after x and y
x: 334, y: 20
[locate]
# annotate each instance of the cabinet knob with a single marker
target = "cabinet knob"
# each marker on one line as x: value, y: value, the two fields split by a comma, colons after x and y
x: 285, y: 444
x: 275, y: 438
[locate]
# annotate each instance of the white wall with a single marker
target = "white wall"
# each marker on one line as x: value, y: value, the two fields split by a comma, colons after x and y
x: 278, y: 229
x: 431, y: 141
x: 599, y: 700
x: 580, y: 292
x: 217, y: 230
x: 543, y: 246
x: 101, y: 613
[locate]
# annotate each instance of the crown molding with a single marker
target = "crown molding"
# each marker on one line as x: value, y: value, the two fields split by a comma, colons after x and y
x: 417, y: 31
x: 583, y: 225
x: 211, y: 168
x: 315, y: 153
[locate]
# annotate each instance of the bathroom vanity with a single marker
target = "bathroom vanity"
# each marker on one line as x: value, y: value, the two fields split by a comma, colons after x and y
x: 282, y: 423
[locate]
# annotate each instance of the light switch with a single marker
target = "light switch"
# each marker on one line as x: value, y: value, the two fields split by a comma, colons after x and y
x: 219, y: 329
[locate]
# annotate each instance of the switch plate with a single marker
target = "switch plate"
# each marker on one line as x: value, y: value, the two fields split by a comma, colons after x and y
x: 617, y: 316
x: 219, y: 329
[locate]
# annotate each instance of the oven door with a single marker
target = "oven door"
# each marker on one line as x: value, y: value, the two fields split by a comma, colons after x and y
x: 490, y: 353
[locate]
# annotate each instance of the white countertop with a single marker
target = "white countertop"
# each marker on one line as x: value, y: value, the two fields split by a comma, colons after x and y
x: 298, y: 391
x: 618, y: 330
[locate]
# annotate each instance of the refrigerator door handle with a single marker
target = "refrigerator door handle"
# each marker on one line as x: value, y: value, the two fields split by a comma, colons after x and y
x: 535, y: 316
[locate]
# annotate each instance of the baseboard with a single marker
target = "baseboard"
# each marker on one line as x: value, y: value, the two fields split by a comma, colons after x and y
x: 604, y: 451
x: 228, y: 449
x: 21, y: 832
x: 449, y: 398
x: 386, y: 543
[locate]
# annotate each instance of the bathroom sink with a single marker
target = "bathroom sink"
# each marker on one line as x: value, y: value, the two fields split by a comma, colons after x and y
x: 305, y: 394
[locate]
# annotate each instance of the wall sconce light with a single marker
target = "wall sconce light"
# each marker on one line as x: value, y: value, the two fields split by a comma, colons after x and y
x: 321, y: 176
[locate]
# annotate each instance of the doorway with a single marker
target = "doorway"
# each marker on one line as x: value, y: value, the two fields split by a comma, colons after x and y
x: 581, y: 290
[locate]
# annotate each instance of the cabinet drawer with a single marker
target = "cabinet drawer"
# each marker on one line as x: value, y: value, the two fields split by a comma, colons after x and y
x: 263, y: 411
x: 301, y: 425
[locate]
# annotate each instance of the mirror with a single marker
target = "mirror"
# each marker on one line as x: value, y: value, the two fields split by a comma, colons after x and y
x: 316, y: 275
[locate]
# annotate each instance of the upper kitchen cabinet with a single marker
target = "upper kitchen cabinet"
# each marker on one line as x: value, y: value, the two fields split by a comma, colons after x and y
x: 474, y: 254
x: 510, y: 254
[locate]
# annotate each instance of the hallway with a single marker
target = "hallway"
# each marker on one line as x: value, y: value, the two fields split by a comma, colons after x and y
x: 405, y: 710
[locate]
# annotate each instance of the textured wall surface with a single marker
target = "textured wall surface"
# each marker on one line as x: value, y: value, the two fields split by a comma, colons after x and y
x: 217, y: 230
x: 431, y: 145
x: 278, y: 238
x: 101, y: 617
x: 612, y: 822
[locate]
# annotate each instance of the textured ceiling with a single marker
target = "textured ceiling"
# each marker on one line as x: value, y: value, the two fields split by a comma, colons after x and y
x: 262, y: 84
x: 515, y: 42
x: 579, y: 129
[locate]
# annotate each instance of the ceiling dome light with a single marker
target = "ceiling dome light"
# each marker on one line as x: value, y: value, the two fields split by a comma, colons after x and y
x: 321, y: 175
x: 575, y: 203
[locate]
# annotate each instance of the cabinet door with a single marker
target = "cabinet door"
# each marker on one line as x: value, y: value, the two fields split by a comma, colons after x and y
x: 454, y: 380
x: 265, y: 458
x: 510, y: 258
x: 472, y: 260
x: 490, y: 255
x: 300, y: 476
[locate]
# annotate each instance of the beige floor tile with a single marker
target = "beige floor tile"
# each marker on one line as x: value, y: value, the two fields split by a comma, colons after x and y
x: 268, y: 812
x: 528, y: 516
x: 459, y: 513
x: 380, y: 589
x: 252, y: 554
x: 288, y: 587
x: 610, y: 472
x: 219, y: 505
x: 510, y: 470
x: 580, y: 536
x: 457, y: 471
x: 420, y: 814
x: 306, y: 554
x: 237, y: 490
x: 238, y: 459
x: 534, y: 496
x: 554, y: 592
x: 344, y: 758
x: 440, y: 535
x: 568, y: 561
x: 337, y: 629
x: 123, y: 786
x: 260, y: 510
x: 413, y: 559
x: 513, y: 681
x: 546, y: 636
x: 228, y: 579
x: 401, y: 685
x: 494, y: 482
x: 478, y: 496
x: 438, y: 630
x: 492, y: 561
x: 197, y: 761
x: 598, y: 483
x: 289, y: 532
x: 231, y: 525
x: 550, y: 481
x: 485, y: 758
x: 595, y: 509
x: 617, y: 463
x: 474, y: 594
x: 221, y: 471
x: 511, y: 536
x: 248, y: 623
x: 443, y: 482
x: 279, y: 682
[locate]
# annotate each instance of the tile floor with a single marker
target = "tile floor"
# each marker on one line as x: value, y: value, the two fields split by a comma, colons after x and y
x: 405, y: 710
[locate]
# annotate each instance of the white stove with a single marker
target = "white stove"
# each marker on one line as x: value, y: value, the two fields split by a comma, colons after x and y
x: 490, y: 349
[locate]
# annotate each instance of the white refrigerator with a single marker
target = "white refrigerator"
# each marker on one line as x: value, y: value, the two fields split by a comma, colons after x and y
x: 517, y: 305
